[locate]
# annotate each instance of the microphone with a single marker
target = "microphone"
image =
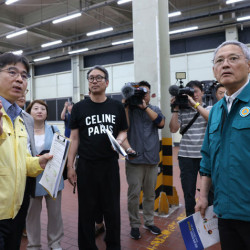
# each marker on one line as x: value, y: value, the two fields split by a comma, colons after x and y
x: 127, y: 91
x: 174, y: 90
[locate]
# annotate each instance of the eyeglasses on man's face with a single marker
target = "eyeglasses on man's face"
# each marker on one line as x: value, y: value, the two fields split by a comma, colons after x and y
x: 232, y: 59
x: 26, y: 91
x: 97, y: 78
x: 14, y: 72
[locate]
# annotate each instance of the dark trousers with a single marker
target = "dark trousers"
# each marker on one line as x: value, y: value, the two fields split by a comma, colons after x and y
x: 234, y: 234
x: 5, y: 233
x: 98, y: 182
x: 19, y: 221
x: 99, y: 215
x: 11, y: 233
x: 189, y: 168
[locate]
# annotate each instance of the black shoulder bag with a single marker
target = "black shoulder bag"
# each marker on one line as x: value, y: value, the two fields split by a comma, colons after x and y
x: 184, y: 130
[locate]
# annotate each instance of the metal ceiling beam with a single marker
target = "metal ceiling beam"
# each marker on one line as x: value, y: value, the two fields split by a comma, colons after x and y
x: 92, y: 7
x: 211, y: 13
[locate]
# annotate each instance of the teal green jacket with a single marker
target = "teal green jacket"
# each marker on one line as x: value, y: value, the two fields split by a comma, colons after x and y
x: 226, y: 156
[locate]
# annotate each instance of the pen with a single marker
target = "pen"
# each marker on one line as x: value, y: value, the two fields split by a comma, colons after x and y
x: 74, y: 189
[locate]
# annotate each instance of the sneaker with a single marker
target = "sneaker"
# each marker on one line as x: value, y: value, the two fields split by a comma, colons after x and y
x: 99, y: 230
x: 135, y: 233
x: 153, y: 229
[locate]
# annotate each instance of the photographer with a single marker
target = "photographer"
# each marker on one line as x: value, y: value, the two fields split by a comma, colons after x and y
x: 189, y: 155
x: 220, y: 91
x: 144, y: 120
x: 65, y: 116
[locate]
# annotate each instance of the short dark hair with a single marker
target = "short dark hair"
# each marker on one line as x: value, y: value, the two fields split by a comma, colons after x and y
x: 144, y: 83
x: 101, y: 68
x: 28, y: 109
x: 197, y: 84
x: 10, y: 58
x: 219, y: 86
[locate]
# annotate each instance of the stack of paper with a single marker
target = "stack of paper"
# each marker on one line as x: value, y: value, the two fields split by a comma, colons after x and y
x: 52, y: 174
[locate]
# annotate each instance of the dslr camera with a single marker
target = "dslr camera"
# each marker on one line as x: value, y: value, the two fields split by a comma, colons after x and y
x: 180, y: 92
x: 133, y: 94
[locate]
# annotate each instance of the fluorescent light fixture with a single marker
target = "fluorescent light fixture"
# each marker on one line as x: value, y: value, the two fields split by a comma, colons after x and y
x: 41, y: 59
x: 51, y: 43
x: 177, y: 13
x: 243, y: 18
x: 8, y: 2
x: 183, y: 30
x: 66, y: 18
x: 123, y: 41
x: 232, y: 1
x: 78, y: 51
x: 123, y: 1
x: 17, y: 33
x: 99, y: 31
x: 17, y: 52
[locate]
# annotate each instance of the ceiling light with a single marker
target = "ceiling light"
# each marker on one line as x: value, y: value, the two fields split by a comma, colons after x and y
x: 17, y: 52
x: 41, y: 59
x: 183, y: 30
x: 232, y: 1
x: 8, y: 2
x: 123, y: 1
x: 78, y: 51
x: 99, y: 31
x: 177, y: 13
x: 17, y: 33
x: 66, y: 18
x: 123, y: 41
x: 243, y: 18
x: 51, y: 43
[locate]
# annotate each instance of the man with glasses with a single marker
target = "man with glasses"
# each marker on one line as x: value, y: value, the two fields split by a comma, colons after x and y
x: 144, y: 121
x: 15, y: 162
x: 225, y: 149
x: 98, y: 180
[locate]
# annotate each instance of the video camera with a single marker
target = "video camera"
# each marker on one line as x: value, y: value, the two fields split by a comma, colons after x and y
x: 180, y: 92
x: 133, y: 94
x: 209, y: 88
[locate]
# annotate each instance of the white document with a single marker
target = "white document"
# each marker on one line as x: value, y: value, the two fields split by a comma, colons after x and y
x: 115, y: 144
x: 199, y: 233
x: 52, y: 174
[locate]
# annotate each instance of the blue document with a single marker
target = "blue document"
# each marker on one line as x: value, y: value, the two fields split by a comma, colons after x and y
x: 199, y: 233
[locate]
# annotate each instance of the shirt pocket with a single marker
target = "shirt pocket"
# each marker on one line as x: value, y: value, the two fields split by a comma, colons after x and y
x: 214, y: 133
x: 21, y: 132
x: 6, y: 186
x: 241, y: 131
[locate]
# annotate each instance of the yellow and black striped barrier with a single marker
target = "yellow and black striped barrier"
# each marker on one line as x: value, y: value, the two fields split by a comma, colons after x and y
x: 165, y: 192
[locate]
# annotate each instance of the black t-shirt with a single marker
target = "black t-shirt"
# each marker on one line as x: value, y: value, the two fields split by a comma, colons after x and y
x: 89, y: 117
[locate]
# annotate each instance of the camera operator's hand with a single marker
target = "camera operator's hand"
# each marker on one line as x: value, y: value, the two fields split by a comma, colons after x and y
x: 143, y: 105
x: 191, y: 101
x: 176, y: 107
x: 198, y: 106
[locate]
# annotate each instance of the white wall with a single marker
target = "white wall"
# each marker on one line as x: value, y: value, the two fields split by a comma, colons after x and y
x: 53, y: 86
x: 197, y: 65
x: 119, y: 74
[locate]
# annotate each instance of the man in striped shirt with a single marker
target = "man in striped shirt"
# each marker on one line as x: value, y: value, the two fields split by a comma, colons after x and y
x: 189, y: 155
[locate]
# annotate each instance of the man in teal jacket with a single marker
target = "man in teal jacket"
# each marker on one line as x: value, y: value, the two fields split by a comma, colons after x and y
x: 225, y: 150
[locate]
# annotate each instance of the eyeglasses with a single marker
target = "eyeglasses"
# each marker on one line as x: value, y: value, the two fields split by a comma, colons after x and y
x: 97, y: 78
x: 13, y: 72
x: 233, y: 59
x: 26, y: 91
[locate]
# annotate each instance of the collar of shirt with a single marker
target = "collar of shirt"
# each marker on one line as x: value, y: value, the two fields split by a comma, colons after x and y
x: 231, y: 98
x: 12, y: 110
